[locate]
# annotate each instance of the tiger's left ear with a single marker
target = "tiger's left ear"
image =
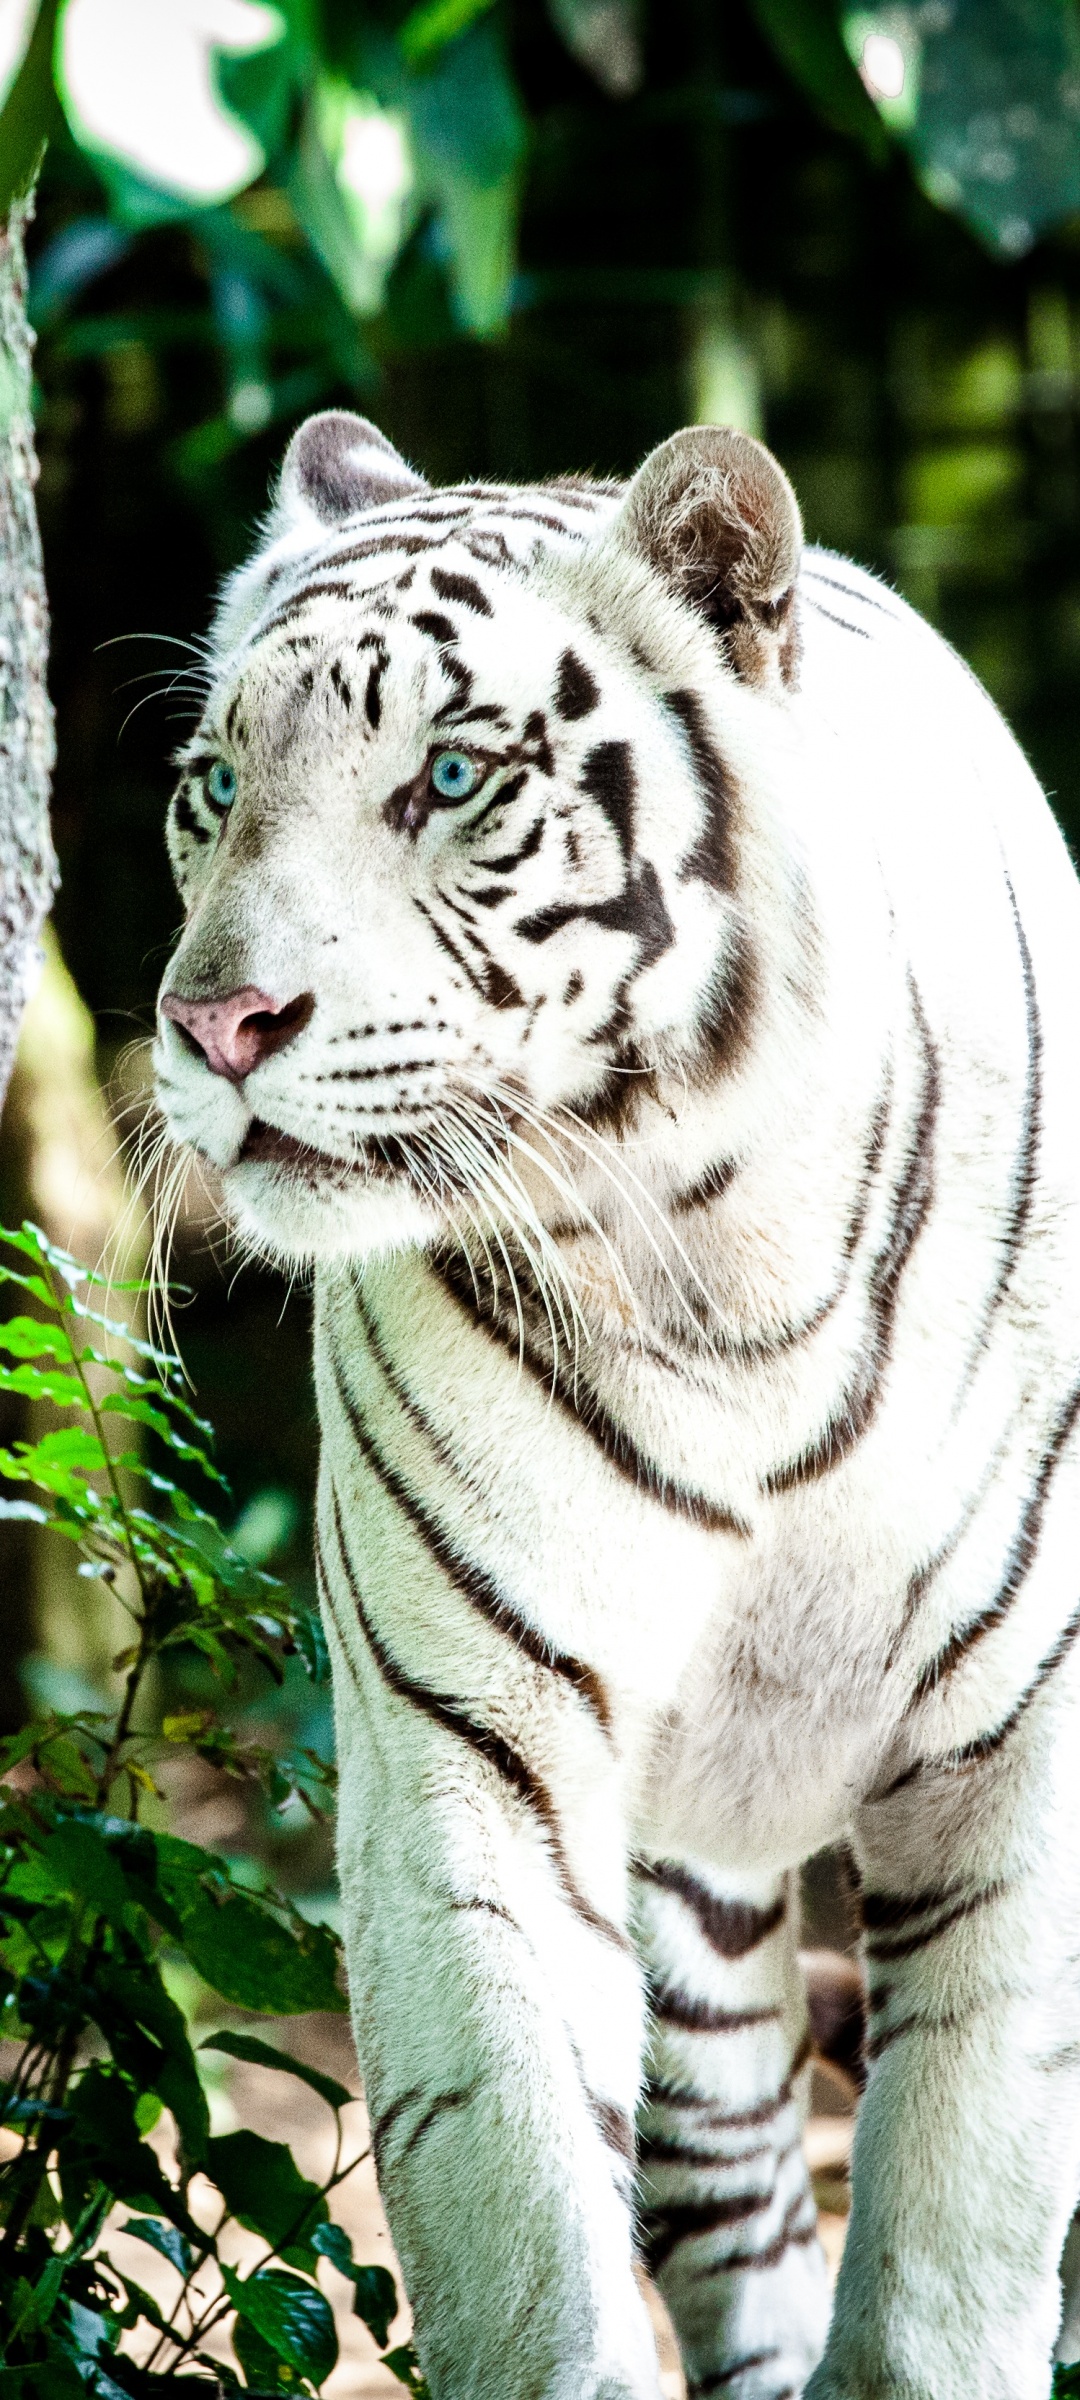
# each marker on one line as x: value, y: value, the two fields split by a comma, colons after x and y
x: 716, y: 516
x: 338, y: 464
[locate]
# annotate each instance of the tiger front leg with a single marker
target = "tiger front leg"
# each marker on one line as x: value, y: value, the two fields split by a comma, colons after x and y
x: 498, y: 2017
x: 728, y: 2212
x: 967, y: 2150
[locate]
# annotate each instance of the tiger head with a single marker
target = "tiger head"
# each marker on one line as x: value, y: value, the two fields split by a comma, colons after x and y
x: 463, y: 836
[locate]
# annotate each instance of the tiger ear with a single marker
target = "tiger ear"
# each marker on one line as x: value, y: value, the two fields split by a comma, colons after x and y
x: 716, y: 516
x: 337, y: 464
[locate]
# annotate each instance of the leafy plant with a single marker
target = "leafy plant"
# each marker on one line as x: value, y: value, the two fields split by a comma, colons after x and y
x: 99, y: 1906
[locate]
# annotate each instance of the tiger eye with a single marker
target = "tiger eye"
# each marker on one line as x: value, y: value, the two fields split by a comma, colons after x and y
x: 454, y: 775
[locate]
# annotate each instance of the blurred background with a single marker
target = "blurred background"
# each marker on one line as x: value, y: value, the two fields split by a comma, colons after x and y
x: 523, y: 237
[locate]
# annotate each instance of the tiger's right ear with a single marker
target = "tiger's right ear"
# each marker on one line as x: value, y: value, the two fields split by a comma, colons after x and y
x: 715, y: 515
x: 338, y: 464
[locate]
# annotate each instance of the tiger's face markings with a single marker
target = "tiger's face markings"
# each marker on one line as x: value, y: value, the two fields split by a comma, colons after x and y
x: 437, y: 796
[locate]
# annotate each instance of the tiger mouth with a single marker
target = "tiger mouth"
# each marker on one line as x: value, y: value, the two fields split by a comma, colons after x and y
x: 266, y: 1145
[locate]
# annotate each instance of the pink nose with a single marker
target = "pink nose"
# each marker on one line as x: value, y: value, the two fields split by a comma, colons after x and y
x: 241, y: 1030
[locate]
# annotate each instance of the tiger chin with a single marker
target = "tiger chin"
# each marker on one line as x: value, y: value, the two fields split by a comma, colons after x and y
x: 628, y: 955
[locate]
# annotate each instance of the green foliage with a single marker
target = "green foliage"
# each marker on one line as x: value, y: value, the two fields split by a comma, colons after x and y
x: 99, y: 1906
x: 302, y: 265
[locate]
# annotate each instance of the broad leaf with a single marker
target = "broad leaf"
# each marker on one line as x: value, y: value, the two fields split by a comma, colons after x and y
x: 263, y: 2187
x: 103, y: 2146
x: 30, y: 114
x: 165, y: 2239
x: 263, y: 2054
x: 292, y: 2317
x: 375, y: 2297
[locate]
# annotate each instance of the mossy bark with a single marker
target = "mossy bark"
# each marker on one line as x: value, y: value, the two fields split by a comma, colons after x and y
x: 27, y: 859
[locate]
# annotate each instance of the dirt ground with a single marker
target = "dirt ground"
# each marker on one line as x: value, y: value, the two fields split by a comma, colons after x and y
x: 286, y: 2111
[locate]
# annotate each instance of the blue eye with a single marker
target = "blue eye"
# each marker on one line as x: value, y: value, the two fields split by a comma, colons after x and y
x: 221, y: 784
x: 454, y: 775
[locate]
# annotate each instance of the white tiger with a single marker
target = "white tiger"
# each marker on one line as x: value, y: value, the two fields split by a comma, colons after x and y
x: 635, y: 964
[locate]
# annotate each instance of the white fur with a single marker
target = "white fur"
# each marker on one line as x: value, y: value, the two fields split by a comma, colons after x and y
x: 762, y: 1683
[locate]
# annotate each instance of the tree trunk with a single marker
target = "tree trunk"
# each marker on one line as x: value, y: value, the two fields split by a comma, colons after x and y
x: 27, y: 859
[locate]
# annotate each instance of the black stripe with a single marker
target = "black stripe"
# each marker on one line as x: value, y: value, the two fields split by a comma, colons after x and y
x: 903, y: 1945
x: 730, y: 1927
x: 790, y: 2234
x: 1026, y: 1168
x: 685, y: 2154
x: 665, y: 2153
x: 726, y: 2376
x: 920, y: 1582
x: 186, y: 821
x: 437, y: 2108
x: 717, y: 2120
x: 466, y: 1577
x: 587, y: 1411
x: 887, y: 1912
x: 835, y: 620
x: 665, y: 2228
x: 1020, y: 1562
x: 489, y: 979
x: 440, y: 629
x: 851, y: 591
x: 576, y: 691
x: 445, y: 1710
x: 383, y: 2124
x: 639, y: 909
x: 463, y: 588
x: 298, y: 600
x: 986, y: 1743
x: 680, y: 2009
x: 712, y: 857
x: 607, y: 775
x: 880, y: 2042
x: 710, y: 1186
x: 614, y: 2124
x: 854, y: 1413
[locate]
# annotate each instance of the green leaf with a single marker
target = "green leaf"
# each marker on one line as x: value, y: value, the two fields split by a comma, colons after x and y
x: 78, y: 1861
x: 243, y: 1944
x: 468, y: 136
x: 805, y: 34
x: 264, y: 2371
x: 1066, y: 2385
x: 44, y: 1383
x: 428, y: 29
x: 28, y: 119
x: 404, y: 2364
x: 165, y: 2239
x: 292, y: 2317
x: 148, y: 2037
x: 375, y: 2297
x: 103, y: 2146
x: 27, y: 1337
x: 310, y: 1640
x: 58, y: 1460
x: 262, y: 2186
x: 142, y: 1412
x: 263, y: 2054
x: 139, y: 2304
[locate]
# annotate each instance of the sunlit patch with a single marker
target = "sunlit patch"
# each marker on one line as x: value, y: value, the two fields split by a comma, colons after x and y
x: 883, y: 67
x: 139, y: 84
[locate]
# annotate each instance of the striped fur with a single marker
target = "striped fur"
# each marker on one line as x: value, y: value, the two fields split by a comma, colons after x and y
x: 682, y: 1127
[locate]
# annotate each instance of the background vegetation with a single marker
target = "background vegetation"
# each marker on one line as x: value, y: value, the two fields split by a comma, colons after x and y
x: 523, y: 237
